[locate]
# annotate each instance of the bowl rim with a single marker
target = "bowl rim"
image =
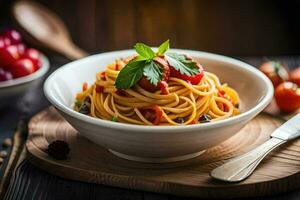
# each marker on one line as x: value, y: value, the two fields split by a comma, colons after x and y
x: 265, y: 100
x: 25, y: 79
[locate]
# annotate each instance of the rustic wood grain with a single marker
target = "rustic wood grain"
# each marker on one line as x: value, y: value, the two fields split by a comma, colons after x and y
x: 226, y: 27
x: 91, y: 163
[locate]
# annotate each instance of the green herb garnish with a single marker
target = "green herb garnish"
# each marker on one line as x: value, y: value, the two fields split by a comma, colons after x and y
x: 114, y: 119
x: 78, y: 103
x: 130, y: 74
x: 144, y: 65
x: 182, y: 64
x: 153, y: 72
x: 163, y: 48
x: 144, y: 51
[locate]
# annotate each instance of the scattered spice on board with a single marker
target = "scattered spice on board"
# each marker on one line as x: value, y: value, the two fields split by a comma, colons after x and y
x: 7, y: 142
x: 58, y: 149
x: 3, y: 154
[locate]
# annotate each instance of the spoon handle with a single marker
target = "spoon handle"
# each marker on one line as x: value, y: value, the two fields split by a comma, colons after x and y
x: 241, y: 167
x: 72, y: 52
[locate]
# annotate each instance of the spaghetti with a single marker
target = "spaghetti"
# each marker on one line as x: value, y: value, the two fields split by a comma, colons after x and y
x: 183, y: 104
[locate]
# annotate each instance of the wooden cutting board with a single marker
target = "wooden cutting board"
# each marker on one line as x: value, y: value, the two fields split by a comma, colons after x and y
x: 279, y: 172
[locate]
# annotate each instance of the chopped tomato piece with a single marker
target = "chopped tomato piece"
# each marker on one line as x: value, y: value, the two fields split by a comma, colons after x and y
x: 153, y: 114
x: 221, y: 93
x: 145, y: 84
x: 193, y: 122
x: 103, y: 76
x: 163, y: 86
x: 116, y: 67
x: 84, y: 86
x: 194, y: 80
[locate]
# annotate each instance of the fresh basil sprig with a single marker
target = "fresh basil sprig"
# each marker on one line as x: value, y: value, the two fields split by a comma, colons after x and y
x: 182, y: 64
x: 144, y: 51
x: 144, y: 64
x: 130, y: 74
x: 163, y: 48
x: 153, y: 72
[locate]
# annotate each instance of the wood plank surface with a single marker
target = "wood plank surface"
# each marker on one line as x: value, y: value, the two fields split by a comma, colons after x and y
x: 88, y: 162
x: 227, y: 27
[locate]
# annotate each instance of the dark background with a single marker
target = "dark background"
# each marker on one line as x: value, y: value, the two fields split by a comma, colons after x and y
x: 230, y: 27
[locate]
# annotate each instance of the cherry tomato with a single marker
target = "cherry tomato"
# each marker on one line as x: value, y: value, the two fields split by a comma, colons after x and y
x: 165, y: 67
x: 145, y: 83
x: 163, y: 86
x: 22, y: 67
x: 4, y: 42
x: 35, y: 56
x: 21, y: 49
x: 275, y: 71
x: 295, y: 76
x: 9, y: 55
x: 103, y: 77
x: 5, y: 75
x: 287, y: 96
x: 153, y: 114
x: 13, y: 35
x: 84, y: 86
x: 194, y: 80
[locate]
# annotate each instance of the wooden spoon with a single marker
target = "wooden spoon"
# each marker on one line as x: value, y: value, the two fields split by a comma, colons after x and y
x: 47, y: 28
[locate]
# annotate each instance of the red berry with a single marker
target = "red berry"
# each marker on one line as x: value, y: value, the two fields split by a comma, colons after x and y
x: 4, y: 42
x: 8, y: 55
x: 34, y: 56
x: 5, y: 75
x: 22, y: 67
x: 21, y: 49
x: 13, y: 35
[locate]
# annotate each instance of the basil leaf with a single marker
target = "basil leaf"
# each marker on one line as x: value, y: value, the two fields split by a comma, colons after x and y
x: 181, y: 64
x: 144, y: 51
x: 163, y: 48
x: 130, y: 74
x: 153, y: 72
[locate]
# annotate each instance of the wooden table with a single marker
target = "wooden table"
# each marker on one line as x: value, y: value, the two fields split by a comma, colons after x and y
x: 30, y: 182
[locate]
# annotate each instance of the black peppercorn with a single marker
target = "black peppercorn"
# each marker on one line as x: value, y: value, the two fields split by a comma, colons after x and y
x: 85, y: 107
x: 58, y: 149
x: 204, y: 118
x: 179, y: 120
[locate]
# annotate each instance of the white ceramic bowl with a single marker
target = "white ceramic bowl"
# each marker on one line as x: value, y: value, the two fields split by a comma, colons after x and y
x: 14, y: 89
x: 158, y: 143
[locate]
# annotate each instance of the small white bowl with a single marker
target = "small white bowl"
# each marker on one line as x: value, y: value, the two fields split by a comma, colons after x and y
x: 158, y: 143
x: 14, y: 89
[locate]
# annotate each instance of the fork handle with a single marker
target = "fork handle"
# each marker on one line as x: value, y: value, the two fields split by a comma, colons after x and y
x: 241, y: 167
